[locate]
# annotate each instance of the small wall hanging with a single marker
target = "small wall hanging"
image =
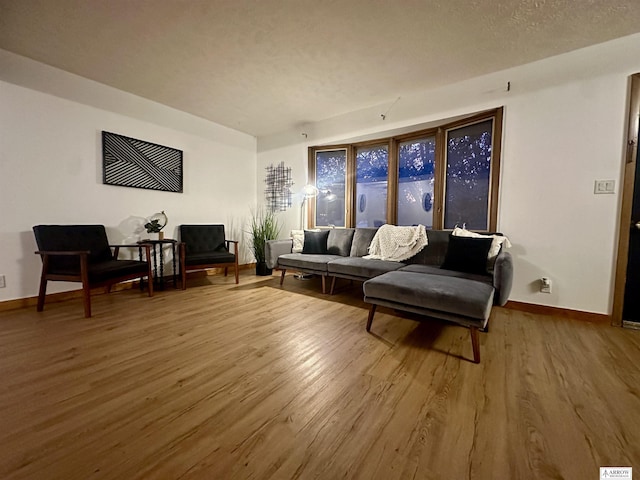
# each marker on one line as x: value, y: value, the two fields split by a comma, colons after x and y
x: 278, y: 187
x: 128, y: 162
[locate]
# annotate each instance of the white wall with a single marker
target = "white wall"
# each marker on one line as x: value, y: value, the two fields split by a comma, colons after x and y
x: 294, y: 156
x: 51, y: 168
x: 563, y: 129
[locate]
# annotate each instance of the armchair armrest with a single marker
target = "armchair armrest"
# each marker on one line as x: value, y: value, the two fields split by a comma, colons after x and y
x: 235, y: 246
x: 69, y: 252
x: 84, y: 265
x: 274, y: 248
x: 503, y: 277
x: 129, y: 245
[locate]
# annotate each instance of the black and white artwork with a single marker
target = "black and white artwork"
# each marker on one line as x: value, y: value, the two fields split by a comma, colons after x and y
x: 134, y: 163
x: 278, y: 185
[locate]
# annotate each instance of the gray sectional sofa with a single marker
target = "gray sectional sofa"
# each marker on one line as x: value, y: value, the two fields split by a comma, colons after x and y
x: 447, y: 279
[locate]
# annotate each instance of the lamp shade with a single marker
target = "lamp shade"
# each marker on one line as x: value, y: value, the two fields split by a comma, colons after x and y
x: 309, y: 190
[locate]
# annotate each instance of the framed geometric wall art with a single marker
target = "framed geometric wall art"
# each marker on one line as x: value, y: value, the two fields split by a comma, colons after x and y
x: 278, y: 185
x: 128, y: 162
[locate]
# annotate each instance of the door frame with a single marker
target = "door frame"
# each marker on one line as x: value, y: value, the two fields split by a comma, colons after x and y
x: 630, y: 158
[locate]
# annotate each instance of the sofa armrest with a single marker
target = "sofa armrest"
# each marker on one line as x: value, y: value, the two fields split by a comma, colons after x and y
x: 274, y: 248
x: 502, y: 277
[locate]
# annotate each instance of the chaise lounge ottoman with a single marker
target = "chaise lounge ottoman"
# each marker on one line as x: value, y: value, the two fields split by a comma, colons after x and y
x: 462, y: 300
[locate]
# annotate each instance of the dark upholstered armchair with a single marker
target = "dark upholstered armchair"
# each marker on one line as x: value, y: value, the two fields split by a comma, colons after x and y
x: 81, y: 253
x: 205, y: 246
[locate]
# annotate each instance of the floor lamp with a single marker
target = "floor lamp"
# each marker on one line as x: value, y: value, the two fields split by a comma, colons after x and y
x: 307, y: 192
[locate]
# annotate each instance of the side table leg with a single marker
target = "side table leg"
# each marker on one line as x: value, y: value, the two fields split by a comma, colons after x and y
x: 175, y: 273
x: 141, y: 278
x: 161, y: 280
x: 155, y: 265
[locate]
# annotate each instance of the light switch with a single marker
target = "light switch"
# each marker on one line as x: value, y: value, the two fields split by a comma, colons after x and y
x: 610, y: 186
x: 604, y: 186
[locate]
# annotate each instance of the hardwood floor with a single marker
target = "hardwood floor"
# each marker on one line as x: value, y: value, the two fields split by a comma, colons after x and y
x: 255, y: 381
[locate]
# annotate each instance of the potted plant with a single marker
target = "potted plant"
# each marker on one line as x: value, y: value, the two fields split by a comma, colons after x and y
x: 156, y: 223
x: 264, y: 226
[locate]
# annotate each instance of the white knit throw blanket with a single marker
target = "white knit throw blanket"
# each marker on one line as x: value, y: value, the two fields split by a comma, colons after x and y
x: 397, y: 243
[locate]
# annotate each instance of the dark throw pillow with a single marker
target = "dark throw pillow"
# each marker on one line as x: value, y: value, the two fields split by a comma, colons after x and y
x: 315, y: 242
x: 466, y: 254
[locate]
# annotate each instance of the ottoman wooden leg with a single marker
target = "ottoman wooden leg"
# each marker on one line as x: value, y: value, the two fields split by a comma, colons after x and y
x: 282, y: 276
x: 372, y: 312
x: 475, y: 343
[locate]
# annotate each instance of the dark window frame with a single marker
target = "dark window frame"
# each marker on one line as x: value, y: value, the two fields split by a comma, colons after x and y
x: 440, y: 133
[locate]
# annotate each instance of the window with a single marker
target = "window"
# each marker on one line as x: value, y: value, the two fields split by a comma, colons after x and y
x: 468, y: 176
x: 440, y: 178
x: 330, y: 180
x: 372, y: 173
x: 416, y: 174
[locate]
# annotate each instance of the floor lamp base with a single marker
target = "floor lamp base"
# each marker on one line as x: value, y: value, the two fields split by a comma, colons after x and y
x: 303, y: 276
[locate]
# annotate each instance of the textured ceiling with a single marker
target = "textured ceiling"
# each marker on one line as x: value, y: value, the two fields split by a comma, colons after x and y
x: 264, y: 66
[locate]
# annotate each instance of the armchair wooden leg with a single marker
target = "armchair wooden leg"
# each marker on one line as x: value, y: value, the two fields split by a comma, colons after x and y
x: 333, y: 285
x: 42, y: 293
x: 235, y: 253
x: 324, y: 283
x: 282, y: 276
x: 226, y: 271
x: 182, y: 264
x: 372, y: 312
x: 475, y: 343
x: 43, y: 283
x: 86, y: 288
x: 150, y: 282
x: 86, y: 299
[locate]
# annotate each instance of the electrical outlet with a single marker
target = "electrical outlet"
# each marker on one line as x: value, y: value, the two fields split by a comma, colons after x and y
x: 3, y: 283
x: 545, y: 285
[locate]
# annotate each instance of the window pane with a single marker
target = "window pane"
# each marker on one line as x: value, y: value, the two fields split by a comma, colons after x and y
x: 416, y: 163
x: 331, y: 173
x: 468, y: 175
x: 372, y: 172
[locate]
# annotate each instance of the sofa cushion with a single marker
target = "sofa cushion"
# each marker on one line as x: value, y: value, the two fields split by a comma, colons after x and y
x: 203, y: 238
x: 110, y: 269
x: 442, y: 293
x: 339, y: 241
x: 466, y: 254
x: 317, y: 263
x: 56, y: 238
x: 207, y: 258
x: 433, y: 270
x: 315, y: 242
x: 361, y: 241
x: 298, y: 239
x: 361, y: 267
x: 435, y: 251
x: 497, y: 240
